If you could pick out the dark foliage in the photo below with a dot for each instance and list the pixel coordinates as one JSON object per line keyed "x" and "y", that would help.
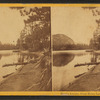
{"x": 7, "y": 46}
{"x": 36, "y": 34}
{"x": 71, "y": 47}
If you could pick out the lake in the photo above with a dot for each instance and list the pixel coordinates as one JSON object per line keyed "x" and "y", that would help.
{"x": 64, "y": 72}
{"x": 10, "y": 57}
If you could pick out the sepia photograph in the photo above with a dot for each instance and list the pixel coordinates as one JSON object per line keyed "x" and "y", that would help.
{"x": 25, "y": 49}
{"x": 76, "y": 48}
{"x": 50, "y": 48}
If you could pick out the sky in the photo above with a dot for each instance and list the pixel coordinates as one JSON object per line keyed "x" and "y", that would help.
{"x": 11, "y": 24}
{"x": 74, "y": 22}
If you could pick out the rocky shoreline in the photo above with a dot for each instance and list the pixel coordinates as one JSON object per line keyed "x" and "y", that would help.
{"x": 90, "y": 81}
{"x": 31, "y": 77}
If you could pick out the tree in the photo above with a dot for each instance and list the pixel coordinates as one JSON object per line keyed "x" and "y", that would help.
{"x": 36, "y": 33}
{"x": 95, "y": 41}
{"x": 91, "y": 44}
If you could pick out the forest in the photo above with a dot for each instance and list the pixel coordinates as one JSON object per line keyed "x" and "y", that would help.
{"x": 72, "y": 47}
{"x": 7, "y": 46}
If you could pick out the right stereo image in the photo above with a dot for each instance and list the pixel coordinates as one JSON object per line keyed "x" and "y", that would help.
{"x": 75, "y": 48}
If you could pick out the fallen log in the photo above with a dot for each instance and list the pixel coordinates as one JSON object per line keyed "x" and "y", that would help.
{"x": 77, "y": 65}
{"x": 6, "y": 65}
{"x": 23, "y": 63}
{"x": 7, "y": 75}
{"x": 79, "y": 75}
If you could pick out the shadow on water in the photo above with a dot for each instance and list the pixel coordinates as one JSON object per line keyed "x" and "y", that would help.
{"x": 26, "y": 57}
{"x": 95, "y": 57}
{"x": 62, "y": 59}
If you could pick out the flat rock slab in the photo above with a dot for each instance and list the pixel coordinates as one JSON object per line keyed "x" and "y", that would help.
{"x": 88, "y": 82}
{"x": 31, "y": 77}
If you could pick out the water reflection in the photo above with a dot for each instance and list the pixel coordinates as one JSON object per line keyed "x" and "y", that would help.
{"x": 62, "y": 59}
{"x": 64, "y": 71}
{"x": 95, "y": 57}
{"x": 26, "y": 57}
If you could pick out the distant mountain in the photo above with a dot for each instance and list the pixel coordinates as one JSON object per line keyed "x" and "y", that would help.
{"x": 62, "y": 42}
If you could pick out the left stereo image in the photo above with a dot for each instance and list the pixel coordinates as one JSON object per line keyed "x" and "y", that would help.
{"x": 25, "y": 49}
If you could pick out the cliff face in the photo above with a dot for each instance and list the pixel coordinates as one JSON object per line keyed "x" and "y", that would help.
{"x": 61, "y": 42}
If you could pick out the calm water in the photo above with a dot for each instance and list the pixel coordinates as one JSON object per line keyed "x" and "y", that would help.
{"x": 64, "y": 71}
{"x": 9, "y": 57}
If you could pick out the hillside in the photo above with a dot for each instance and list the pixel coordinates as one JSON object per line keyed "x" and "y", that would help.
{"x": 62, "y": 42}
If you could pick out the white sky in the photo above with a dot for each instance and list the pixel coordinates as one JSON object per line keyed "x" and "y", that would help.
{"x": 75, "y": 22}
{"x": 11, "y": 23}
